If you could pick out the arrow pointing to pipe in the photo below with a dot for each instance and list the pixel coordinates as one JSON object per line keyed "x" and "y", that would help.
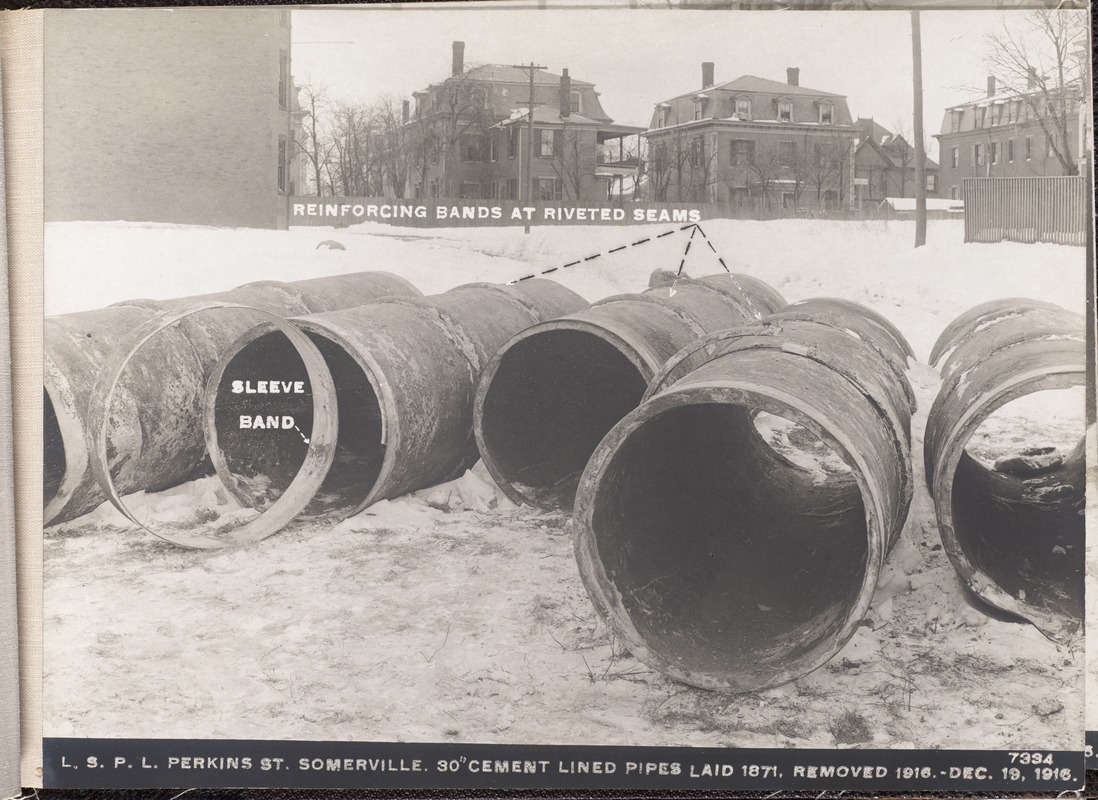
{"x": 303, "y": 436}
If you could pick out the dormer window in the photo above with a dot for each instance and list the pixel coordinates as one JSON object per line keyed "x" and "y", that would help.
{"x": 957, "y": 114}
{"x": 661, "y": 115}
{"x": 574, "y": 102}
{"x": 699, "y": 106}
{"x": 742, "y": 108}
{"x": 827, "y": 114}
{"x": 785, "y": 111}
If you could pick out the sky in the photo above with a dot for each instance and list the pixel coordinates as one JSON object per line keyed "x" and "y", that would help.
{"x": 638, "y": 57}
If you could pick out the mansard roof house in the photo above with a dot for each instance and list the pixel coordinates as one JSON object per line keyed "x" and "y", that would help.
{"x": 1037, "y": 131}
{"x": 752, "y": 143}
{"x": 470, "y": 137}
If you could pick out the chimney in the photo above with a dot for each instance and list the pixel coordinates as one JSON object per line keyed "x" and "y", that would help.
{"x": 1031, "y": 77}
{"x": 990, "y": 85}
{"x": 405, "y": 111}
{"x": 707, "y": 74}
{"x": 793, "y": 76}
{"x": 459, "y": 59}
{"x": 565, "y": 93}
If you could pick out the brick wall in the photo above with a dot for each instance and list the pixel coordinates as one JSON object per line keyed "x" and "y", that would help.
{"x": 165, "y": 115}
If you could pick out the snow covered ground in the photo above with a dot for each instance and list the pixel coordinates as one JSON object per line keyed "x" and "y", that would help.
{"x": 454, "y": 615}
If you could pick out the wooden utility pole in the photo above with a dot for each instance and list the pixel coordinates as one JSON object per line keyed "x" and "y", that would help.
{"x": 530, "y": 70}
{"x": 920, "y": 154}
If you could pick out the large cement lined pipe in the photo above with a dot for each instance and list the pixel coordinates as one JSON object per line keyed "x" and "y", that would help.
{"x": 405, "y": 372}
{"x": 156, "y": 441}
{"x": 1014, "y": 531}
{"x": 554, "y": 390}
{"x": 717, "y": 559}
{"x": 847, "y": 316}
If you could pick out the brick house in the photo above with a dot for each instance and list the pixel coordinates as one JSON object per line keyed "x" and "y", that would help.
{"x": 884, "y": 166}
{"x": 1009, "y": 134}
{"x": 179, "y": 115}
{"x": 470, "y": 137}
{"x": 752, "y": 143}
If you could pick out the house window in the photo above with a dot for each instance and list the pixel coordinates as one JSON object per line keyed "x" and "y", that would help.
{"x": 282, "y": 166}
{"x": 956, "y": 158}
{"x": 549, "y": 189}
{"x": 469, "y": 190}
{"x": 1010, "y": 150}
{"x": 283, "y": 79}
{"x": 957, "y": 115}
{"x": 661, "y": 117}
{"x": 1029, "y": 148}
{"x": 743, "y": 108}
{"x": 550, "y": 143}
{"x": 699, "y": 107}
{"x": 492, "y": 153}
{"x": 827, "y": 113}
{"x": 931, "y": 182}
{"x": 787, "y": 153}
{"x": 954, "y": 193}
{"x": 697, "y": 151}
{"x": 574, "y": 102}
{"x": 789, "y": 200}
{"x": 997, "y": 114}
{"x": 978, "y": 155}
{"x": 785, "y": 111}
{"x": 480, "y": 97}
{"x": 434, "y": 187}
{"x": 512, "y": 188}
{"x": 743, "y": 152}
{"x": 1012, "y": 112}
{"x": 513, "y": 141}
{"x": 474, "y": 148}
{"x": 993, "y": 152}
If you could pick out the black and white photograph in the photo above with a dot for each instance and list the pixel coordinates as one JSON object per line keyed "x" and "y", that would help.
{"x": 701, "y": 390}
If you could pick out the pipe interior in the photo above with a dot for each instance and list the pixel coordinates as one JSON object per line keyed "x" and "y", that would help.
{"x": 728, "y": 558}
{"x": 53, "y": 451}
{"x": 552, "y": 399}
{"x": 1018, "y": 497}
{"x": 264, "y": 462}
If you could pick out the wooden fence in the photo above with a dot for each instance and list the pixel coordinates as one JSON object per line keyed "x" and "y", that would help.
{"x": 1026, "y": 210}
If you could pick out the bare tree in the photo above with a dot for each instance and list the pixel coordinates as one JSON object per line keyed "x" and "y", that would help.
{"x": 396, "y": 154}
{"x": 315, "y": 145}
{"x": 574, "y": 157}
{"x": 1044, "y": 62}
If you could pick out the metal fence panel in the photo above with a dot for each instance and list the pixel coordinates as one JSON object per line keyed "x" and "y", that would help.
{"x": 1038, "y": 209}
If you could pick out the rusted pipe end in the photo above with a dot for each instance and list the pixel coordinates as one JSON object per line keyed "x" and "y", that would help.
{"x": 1016, "y": 534}
{"x": 258, "y": 465}
{"x": 715, "y": 559}
{"x": 550, "y": 393}
{"x": 548, "y": 397}
{"x": 314, "y": 465}
{"x": 64, "y": 449}
{"x": 1017, "y": 540}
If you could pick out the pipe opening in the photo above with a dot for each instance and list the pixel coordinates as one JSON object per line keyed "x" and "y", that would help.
{"x": 263, "y": 415}
{"x": 728, "y": 559}
{"x": 553, "y": 397}
{"x": 53, "y": 451}
{"x": 1018, "y": 496}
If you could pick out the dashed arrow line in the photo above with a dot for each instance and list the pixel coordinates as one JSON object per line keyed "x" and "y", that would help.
{"x": 303, "y": 436}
